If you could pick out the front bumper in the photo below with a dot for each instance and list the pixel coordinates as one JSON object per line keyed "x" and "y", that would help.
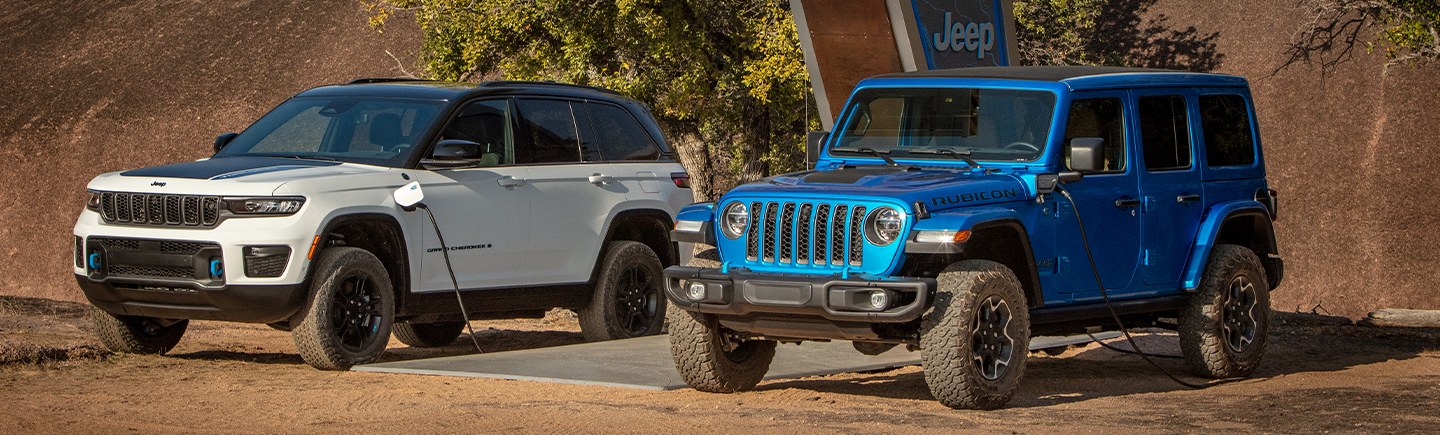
{"x": 184, "y": 300}
{"x": 741, "y": 293}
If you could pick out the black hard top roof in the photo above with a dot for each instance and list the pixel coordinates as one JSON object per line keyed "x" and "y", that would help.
{"x": 1036, "y": 73}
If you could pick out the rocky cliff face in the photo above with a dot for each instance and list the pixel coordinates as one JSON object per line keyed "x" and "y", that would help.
{"x": 109, "y": 85}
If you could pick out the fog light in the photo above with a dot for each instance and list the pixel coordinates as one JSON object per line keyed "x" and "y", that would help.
{"x": 879, "y": 300}
{"x": 695, "y": 291}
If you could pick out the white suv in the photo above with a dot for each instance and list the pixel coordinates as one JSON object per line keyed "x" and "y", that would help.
{"x": 547, "y": 195}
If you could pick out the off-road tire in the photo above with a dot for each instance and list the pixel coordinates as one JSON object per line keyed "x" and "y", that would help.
{"x": 350, "y": 311}
{"x": 698, "y": 345}
{"x": 629, "y": 299}
{"x": 135, "y": 334}
{"x": 428, "y": 334}
{"x": 1226, "y": 324}
{"x": 949, "y": 341}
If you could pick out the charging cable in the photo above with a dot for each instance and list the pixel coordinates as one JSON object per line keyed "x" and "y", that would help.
{"x": 445, "y": 251}
{"x": 1106, "y": 295}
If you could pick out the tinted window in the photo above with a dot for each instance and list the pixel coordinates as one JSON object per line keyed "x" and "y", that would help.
{"x": 1103, "y": 118}
{"x": 1164, "y": 132}
{"x": 349, "y": 129}
{"x": 621, "y": 136}
{"x": 1225, "y": 122}
{"x": 549, "y": 133}
{"x": 488, "y": 124}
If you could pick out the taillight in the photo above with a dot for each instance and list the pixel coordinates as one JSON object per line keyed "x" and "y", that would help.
{"x": 681, "y": 179}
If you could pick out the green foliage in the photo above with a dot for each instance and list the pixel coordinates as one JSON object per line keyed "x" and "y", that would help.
{"x": 733, "y": 69}
{"x": 1409, "y": 33}
{"x": 1061, "y": 32}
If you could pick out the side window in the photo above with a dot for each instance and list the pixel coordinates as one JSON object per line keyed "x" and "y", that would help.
{"x": 548, "y": 133}
{"x": 488, "y": 124}
{"x": 1164, "y": 132}
{"x": 1103, "y": 118}
{"x": 621, "y": 136}
{"x": 1225, "y": 122}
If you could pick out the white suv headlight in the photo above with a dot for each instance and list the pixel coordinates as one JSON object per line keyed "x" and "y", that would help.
{"x": 734, "y": 219}
{"x": 884, "y": 225}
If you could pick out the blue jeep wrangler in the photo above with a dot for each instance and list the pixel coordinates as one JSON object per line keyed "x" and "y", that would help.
{"x": 960, "y": 212}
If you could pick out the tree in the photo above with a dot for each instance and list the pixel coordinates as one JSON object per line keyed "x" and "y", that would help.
{"x": 726, "y": 79}
{"x": 1058, "y": 32}
{"x": 1407, "y": 32}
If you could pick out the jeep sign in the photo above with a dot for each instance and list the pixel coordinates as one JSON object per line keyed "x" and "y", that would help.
{"x": 963, "y": 33}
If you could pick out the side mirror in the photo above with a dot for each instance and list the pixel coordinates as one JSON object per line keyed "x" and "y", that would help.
{"x": 453, "y": 153}
{"x": 224, "y": 139}
{"x": 409, "y": 195}
{"x": 1086, "y": 154}
{"x": 814, "y": 142}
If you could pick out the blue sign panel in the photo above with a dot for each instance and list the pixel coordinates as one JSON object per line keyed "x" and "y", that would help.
{"x": 963, "y": 33}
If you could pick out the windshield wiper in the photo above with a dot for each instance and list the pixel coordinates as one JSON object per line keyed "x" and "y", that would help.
{"x": 879, "y": 154}
{"x": 296, "y": 156}
{"x": 962, "y": 155}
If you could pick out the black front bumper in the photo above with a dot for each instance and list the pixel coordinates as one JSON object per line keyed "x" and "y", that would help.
{"x": 187, "y": 300}
{"x": 740, "y": 293}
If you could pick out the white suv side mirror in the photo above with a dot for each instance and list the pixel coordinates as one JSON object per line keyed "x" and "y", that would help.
{"x": 409, "y": 195}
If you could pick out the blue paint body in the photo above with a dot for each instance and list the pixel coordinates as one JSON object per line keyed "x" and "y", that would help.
{"x": 1158, "y": 247}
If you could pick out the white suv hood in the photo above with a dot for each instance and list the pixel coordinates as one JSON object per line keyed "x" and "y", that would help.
{"x": 224, "y": 178}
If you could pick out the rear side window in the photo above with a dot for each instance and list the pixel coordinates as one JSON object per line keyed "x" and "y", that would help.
{"x": 1225, "y": 121}
{"x": 1164, "y": 132}
{"x": 549, "y": 133}
{"x": 1103, "y": 118}
{"x": 621, "y": 136}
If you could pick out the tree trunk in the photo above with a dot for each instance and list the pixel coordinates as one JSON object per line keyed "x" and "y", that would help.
{"x": 1403, "y": 318}
{"x": 694, "y": 156}
{"x": 754, "y": 142}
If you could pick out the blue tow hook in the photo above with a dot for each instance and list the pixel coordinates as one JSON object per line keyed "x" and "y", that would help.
{"x": 217, "y": 268}
{"x": 95, "y": 260}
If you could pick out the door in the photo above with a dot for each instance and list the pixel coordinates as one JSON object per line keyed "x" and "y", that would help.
{"x": 626, "y": 146}
{"x": 1108, "y": 200}
{"x": 483, "y": 211}
{"x": 1169, "y": 181}
{"x": 574, "y": 195}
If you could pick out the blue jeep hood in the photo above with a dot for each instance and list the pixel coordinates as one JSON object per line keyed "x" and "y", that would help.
{"x": 939, "y": 189}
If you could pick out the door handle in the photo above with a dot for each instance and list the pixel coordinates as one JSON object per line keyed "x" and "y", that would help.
{"x": 1127, "y": 203}
{"x": 1187, "y": 198}
{"x": 601, "y": 179}
{"x": 508, "y": 181}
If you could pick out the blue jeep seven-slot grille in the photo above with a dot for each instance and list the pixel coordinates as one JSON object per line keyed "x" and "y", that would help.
{"x": 805, "y": 233}
{"x": 158, "y": 209}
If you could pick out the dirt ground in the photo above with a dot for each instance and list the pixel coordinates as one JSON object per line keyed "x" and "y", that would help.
{"x": 1319, "y": 376}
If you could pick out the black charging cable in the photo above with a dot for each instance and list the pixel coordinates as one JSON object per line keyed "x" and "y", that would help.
{"x": 1106, "y": 295}
{"x": 445, "y": 251}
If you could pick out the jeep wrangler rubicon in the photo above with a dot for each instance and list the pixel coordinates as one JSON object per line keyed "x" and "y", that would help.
{"x": 548, "y": 195}
{"x": 942, "y": 215}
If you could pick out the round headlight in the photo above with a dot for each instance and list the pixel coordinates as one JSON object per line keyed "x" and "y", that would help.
{"x": 883, "y": 226}
{"x": 734, "y": 219}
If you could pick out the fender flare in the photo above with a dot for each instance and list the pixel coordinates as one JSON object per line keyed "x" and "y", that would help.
{"x": 1215, "y": 219}
{"x": 980, "y": 219}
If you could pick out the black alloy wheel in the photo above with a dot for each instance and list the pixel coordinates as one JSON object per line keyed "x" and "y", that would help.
{"x": 1239, "y": 314}
{"x": 355, "y": 312}
{"x": 636, "y": 301}
{"x": 990, "y": 339}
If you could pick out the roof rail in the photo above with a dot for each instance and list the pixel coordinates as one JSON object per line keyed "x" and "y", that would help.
{"x": 384, "y": 80}
{"x": 547, "y": 83}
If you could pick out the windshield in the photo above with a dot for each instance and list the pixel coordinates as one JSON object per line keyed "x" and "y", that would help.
{"x": 373, "y": 131}
{"x": 947, "y": 124}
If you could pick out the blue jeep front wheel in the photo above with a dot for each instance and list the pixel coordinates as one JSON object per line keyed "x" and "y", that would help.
{"x": 975, "y": 338}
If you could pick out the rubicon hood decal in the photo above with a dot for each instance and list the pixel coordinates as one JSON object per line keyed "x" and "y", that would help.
{"x": 222, "y": 168}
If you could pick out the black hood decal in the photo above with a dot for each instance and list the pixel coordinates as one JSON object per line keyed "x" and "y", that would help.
{"x": 206, "y": 169}
{"x": 850, "y": 174}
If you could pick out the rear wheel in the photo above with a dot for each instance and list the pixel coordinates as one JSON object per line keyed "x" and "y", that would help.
{"x": 627, "y": 301}
{"x": 351, "y": 310}
{"x": 1226, "y": 326}
{"x": 712, "y": 360}
{"x": 136, "y": 334}
{"x": 975, "y": 338}
{"x": 428, "y": 334}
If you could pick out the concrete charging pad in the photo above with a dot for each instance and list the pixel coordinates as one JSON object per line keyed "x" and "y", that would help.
{"x": 645, "y": 362}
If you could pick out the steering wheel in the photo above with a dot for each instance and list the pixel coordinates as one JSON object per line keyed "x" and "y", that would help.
{"x": 1022, "y": 146}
